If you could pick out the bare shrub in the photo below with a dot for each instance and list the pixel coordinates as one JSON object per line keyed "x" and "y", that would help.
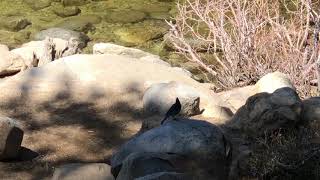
{"x": 249, "y": 38}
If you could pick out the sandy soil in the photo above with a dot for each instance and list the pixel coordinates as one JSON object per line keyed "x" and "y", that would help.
{"x": 63, "y": 131}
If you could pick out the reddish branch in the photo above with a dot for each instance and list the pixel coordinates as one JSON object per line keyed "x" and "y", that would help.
{"x": 248, "y": 39}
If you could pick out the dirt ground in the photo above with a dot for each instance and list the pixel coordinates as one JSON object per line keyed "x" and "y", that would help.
{"x": 64, "y": 130}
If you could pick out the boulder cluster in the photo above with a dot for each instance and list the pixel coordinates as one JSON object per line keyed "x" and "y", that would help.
{"x": 214, "y": 136}
{"x": 50, "y": 44}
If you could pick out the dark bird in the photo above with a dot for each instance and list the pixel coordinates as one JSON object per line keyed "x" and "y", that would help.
{"x": 173, "y": 111}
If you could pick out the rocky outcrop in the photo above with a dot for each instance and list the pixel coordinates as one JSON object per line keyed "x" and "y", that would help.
{"x": 10, "y": 138}
{"x": 92, "y": 171}
{"x": 119, "y": 80}
{"x": 200, "y": 141}
{"x": 265, "y": 112}
{"x": 39, "y": 53}
{"x": 36, "y": 53}
{"x": 100, "y": 73}
{"x": 237, "y": 97}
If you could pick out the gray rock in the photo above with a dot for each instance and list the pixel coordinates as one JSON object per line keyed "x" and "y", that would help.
{"x": 14, "y": 23}
{"x": 165, "y": 176}
{"x": 84, "y": 171}
{"x": 200, "y": 141}
{"x": 72, "y": 47}
{"x": 141, "y": 164}
{"x": 265, "y": 112}
{"x": 10, "y": 138}
{"x": 80, "y": 23}
{"x": 160, "y": 97}
{"x": 311, "y": 111}
{"x": 67, "y": 11}
{"x": 63, "y": 34}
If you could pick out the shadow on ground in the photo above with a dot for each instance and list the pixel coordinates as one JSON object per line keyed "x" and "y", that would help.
{"x": 70, "y": 124}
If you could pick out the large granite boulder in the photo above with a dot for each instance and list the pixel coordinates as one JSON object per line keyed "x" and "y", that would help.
{"x": 265, "y": 112}
{"x": 75, "y": 171}
{"x": 11, "y": 137}
{"x": 109, "y": 48}
{"x": 199, "y": 141}
{"x": 90, "y": 73}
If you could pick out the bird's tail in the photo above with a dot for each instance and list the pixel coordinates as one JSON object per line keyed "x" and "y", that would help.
{"x": 167, "y": 118}
{"x": 163, "y": 120}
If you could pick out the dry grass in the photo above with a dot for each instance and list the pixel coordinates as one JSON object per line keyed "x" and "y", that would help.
{"x": 284, "y": 155}
{"x": 250, "y": 38}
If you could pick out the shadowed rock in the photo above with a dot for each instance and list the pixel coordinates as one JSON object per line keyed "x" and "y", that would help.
{"x": 141, "y": 164}
{"x": 200, "y": 141}
{"x": 10, "y": 139}
{"x": 165, "y": 176}
{"x": 265, "y": 112}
